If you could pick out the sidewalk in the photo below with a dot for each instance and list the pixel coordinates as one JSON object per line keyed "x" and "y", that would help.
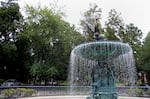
{"x": 76, "y": 97}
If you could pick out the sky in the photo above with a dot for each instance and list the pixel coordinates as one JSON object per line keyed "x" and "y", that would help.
{"x": 132, "y": 11}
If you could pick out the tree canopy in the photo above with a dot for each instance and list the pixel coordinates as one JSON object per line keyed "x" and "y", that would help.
{"x": 91, "y": 18}
{"x": 36, "y": 48}
{"x": 51, "y": 41}
{"x": 145, "y": 57}
{"x": 11, "y": 22}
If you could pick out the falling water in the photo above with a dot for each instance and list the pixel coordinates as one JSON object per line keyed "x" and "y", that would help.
{"x": 118, "y": 57}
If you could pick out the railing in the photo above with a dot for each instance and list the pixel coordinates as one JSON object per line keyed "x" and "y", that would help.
{"x": 65, "y": 90}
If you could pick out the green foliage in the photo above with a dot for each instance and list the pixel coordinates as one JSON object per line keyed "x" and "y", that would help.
{"x": 51, "y": 72}
{"x": 63, "y": 83}
{"x": 19, "y": 92}
{"x": 148, "y": 92}
{"x": 117, "y": 30}
{"x": 136, "y": 91}
{"x": 10, "y": 21}
{"x": 145, "y": 57}
{"x": 25, "y": 92}
{"x": 145, "y": 50}
{"x": 38, "y": 47}
{"x": 8, "y": 93}
{"x": 89, "y": 22}
{"x": 114, "y": 25}
{"x": 139, "y": 92}
{"x": 133, "y": 35}
{"x": 36, "y": 70}
{"x": 51, "y": 41}
{"x": 1, "y": 81}
{"x": 12, "y": 55}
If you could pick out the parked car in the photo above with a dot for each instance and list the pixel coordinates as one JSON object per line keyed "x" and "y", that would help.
{"x": 10, "y": 82}
{"x": 145, "y": 87}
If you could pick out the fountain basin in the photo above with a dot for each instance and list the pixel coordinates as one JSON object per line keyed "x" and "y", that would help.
{"x": 101, "y": 57}
{"x": 96, "y": 50}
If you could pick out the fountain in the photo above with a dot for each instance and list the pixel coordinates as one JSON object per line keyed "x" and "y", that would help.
{"x": 101, "y": 64}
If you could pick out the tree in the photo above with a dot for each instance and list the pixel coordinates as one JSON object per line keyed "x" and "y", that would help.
{"x": 91, "y": 19}
{"x": 23, "y": 59}
{"x": 114, "y": 25}
{"x": 145, "y": 57}
{"x": 51, "y": 41}
{"x": 117, "y": 30}
{"x": 10, "y": 21}
{"x": 11, "y": 25}
{"x": 133, "y": 35}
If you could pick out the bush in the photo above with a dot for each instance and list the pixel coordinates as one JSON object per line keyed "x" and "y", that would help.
{"x": 139, "y": 92}
{"x": 19, "y": 92}
{"x": 8, "y": 93}
{"x": 29, "y": 92}
{"x": 25, "y": 92}
{"x": 136, "y": 91}
{"x": 148, "y": 92}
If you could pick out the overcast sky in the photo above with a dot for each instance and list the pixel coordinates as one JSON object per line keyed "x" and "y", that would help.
{"x": 132, "y": 11}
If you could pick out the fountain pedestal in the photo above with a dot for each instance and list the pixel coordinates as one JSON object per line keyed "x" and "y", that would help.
{"x": 103, "y": 93}
{"x": 103, "y": 83}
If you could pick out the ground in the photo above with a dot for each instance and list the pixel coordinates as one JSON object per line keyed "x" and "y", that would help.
{"x": 77, "y": 97}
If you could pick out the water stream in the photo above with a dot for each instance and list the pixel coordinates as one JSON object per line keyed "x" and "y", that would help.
{"x": 106, "y": 58}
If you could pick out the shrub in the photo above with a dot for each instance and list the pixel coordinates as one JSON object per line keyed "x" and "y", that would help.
{"x": 8, "y": 93}
{"x": 139, "y": 92}
{"x": 29, "y": 92}
{"x": 148, "y": 92}
{"x": 136, "y": 91}
{"x": 25, "y": 92}
{"x": 19, "y": 92}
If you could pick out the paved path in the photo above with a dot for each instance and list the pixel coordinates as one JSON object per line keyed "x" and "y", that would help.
{"x": 76, "y": 97}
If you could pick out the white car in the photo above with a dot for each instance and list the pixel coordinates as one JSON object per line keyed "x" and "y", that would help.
{"x": 10, "y": 82}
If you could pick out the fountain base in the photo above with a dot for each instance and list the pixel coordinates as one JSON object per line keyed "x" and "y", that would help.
{"x": 103, "y": 95}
